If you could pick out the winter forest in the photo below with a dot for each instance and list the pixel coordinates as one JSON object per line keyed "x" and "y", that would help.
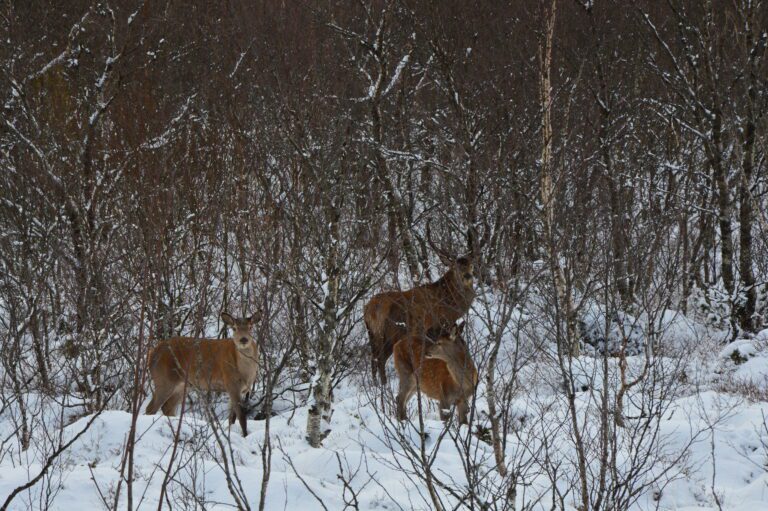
{"x": 428, "y": 255}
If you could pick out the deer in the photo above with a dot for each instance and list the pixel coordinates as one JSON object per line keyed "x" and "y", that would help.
{"x": 392, "y": 315}
{"x": 441, "y": 369}
{"x": 221, "y": 365}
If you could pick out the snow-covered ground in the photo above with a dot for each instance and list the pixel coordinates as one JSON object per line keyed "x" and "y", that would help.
{"x": 709, "y": 449}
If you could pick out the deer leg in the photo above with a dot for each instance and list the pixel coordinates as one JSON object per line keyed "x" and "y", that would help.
{"x": 242, "y": 418}
{"x": 445, "y": 411}
{"x": 159, "y": 397}
{"x": 375, "y": 345}
{"x": 382, "y": 366}
{"x": 232, "y": 414}
{"x": 234, "y": 400}
{"x": 236, "y": 410}
{"x": 169, "y": 407}
{"x": 404, "y": 393}
{"x": 462, "y": 407}
{"x": 232, "y": 407}
{"x": 152, "y": 407}
{"x": 378, "y": 364}
{"x": 374, "y": 367}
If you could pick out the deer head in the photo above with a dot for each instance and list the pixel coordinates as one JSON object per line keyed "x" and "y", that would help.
{"x": 451, "y": 348}
{"x": 242, "y": 327}
{"x": 449, "y": 345}
{"x": 463, "y": 267}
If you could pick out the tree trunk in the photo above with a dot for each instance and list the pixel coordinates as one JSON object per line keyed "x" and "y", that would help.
{"x": 686, "y": 267}
{"x": 320, "y": 412}
{"x": 619, "y": 240}
{"x": 37, "y": 346}
{"x": 493, "y": 413}
{"x": 746, "y": 309}
{"x": 547, "y": 187}
{"x": 724, "y": 208}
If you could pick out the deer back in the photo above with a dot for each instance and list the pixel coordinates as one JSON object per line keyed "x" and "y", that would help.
{"x": 203, "y": 363}
{"x": 387, "y": 310}
{"x": 419, "y": 309}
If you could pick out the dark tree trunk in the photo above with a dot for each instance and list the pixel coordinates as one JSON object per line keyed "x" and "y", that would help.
{"x": 746, "y": 309}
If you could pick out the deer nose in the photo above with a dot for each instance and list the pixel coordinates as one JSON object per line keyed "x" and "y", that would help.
{"x": 244, "y": 340}
{"x": 467, "y": 276}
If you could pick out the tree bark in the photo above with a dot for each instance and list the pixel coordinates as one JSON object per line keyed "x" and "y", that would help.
{"x": 724, "y": 204}
{"x": 320, "y": 411}
{"x": 547, "y": 185}
{"x": 746, "y": 310}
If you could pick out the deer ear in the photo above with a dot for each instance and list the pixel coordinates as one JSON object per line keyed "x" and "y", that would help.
{"x": 430, "y": 352}
{"x": 227, "y": 318}
{"x": 254, "y": 318}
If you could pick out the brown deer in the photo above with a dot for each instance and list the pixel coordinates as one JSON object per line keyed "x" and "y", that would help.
{"x": 222, "y": 365}
{"x": 441, "y": 369}
{"x": 392, "y": 315}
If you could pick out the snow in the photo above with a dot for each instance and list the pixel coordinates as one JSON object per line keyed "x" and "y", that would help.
{"x": 740, "y": 348}
{"x": 748, "y": 361}
{"x": 621, "y": 328}
{"x": 396, "y": 74}
{"x": 712, "y": 442}
{"x": 362, "y": 441}
{"x": 741, "y": 480}
{"x": 95, "y": 460}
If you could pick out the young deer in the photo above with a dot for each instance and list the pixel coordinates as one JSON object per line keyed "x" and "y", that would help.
{"x": 443, "y": 369}
{"x": 222, "y": 365}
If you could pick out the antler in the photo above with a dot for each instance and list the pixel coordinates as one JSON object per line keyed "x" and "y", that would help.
{"x": 440, "y": 252}
{"x": 472, "y": 247}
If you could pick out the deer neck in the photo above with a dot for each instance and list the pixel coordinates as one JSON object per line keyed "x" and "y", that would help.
{"x": 248, "y": 359}
{"x": 463, "y": 373}
{"x": 461, "y": 294}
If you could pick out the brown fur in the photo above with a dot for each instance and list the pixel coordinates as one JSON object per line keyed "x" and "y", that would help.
{"x": 226, "y": 365}
{"x": 392, "y": 315}
{"x": 442, "y": 370}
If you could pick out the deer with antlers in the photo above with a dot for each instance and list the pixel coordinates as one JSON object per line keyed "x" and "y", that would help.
{"x": 222, "y": 365}
{"x": 392, "y": 315}
{"x": 441, "y": 369}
